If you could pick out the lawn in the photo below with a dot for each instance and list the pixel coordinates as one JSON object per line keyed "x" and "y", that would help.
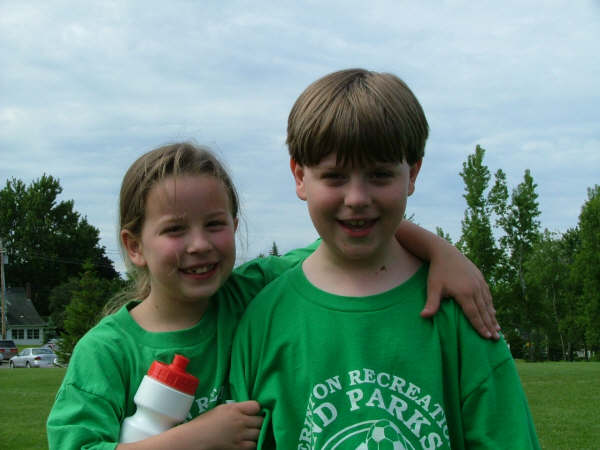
{"x": 565, "y": 403}
{"x": 27, "y": 396}
{"x": 564, "y": 400}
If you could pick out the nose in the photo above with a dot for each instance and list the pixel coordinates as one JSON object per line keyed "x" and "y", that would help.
{"x": 198, "y": 242}
{"x": 357, "y": 194}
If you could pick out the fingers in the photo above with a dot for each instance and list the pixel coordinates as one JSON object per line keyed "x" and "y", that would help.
{"x": 483, "y": 315}
{"x": 251, "y": 410}
{"x": 488, "y": 312}
{"x": 434, "y": 296}
{"x": 473, "y": 311}
{"x": 249, "y": 407}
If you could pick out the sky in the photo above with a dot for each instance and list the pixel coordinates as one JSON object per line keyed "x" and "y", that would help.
{"x": 87, "y": 87}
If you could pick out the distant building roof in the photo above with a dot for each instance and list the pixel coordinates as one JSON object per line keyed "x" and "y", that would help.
{"x": 20, "y": 310}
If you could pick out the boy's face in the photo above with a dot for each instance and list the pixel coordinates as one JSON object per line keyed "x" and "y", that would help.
{"x": 356, "y": 210}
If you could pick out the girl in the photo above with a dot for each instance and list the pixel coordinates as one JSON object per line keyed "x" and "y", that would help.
{"x": 178, "y": 215}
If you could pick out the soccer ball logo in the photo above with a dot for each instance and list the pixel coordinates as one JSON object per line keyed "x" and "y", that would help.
{"x": 383, "y": 435}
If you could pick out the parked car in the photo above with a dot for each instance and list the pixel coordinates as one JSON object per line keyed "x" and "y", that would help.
{"x": 33, "y": 357}
{"x": 8, "y": 349}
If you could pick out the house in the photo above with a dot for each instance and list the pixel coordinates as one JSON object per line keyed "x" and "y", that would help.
{"x": 23, "y": 323}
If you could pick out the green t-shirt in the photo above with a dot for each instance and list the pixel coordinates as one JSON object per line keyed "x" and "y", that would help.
{"x": 109, "y": 362}
{"x": 369, "y": 372}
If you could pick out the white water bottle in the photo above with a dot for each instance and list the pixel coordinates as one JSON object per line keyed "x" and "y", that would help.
{"x": 163, "y": 400}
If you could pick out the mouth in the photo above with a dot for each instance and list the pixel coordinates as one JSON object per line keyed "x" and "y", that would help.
{"x": 199, "y": 270}
{"x": 357, "y": 224}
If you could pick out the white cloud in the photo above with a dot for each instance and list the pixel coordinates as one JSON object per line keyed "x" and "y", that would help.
{"x": 87, "y": 87}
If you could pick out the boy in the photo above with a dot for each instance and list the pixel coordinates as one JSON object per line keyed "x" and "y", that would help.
{"x": 332, "y": 349}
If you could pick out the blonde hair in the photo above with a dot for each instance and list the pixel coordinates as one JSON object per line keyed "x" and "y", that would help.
{"x": 362, "y": 116}
{"x": 181, "y": 158}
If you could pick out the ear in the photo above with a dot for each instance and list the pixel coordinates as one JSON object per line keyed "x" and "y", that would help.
{"x": 133, "y": 247}
{"x": 298, "y": 172}
{"x": 412, "y": 175}
{"x": 235, "y": 224}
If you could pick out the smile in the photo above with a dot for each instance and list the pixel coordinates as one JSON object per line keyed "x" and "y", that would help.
{"x": 358, "y": 223}
{"x": 200, "y": 270}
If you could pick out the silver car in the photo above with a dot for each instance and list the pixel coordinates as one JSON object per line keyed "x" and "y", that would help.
{"x": 33, "y": 357}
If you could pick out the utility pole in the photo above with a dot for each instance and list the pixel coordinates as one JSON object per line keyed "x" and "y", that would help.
{"x": 3, "y": 290}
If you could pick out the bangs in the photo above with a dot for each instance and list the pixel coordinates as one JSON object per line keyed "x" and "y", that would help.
{"x": 364, "y": 118}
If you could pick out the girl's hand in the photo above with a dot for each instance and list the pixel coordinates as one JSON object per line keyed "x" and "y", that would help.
{"x": 230, "y": 426}
{"x": 227, "y": 427}
{"x": 451, "y": 274}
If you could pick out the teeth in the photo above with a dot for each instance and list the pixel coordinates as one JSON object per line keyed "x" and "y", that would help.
{"x": 357, "y": 223}
{"x": 201, "y": 270}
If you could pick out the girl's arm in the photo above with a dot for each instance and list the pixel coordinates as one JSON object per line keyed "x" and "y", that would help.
{"x": 229, "y": 426}
{"x": 451, "y": 274}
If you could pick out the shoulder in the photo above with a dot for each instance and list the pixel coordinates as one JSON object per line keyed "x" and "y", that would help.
{"x": 477, "y": 357}
{"x": 110, "y": 329}
{"x": 275, "y": 293}
{"x": 101, "y": 353}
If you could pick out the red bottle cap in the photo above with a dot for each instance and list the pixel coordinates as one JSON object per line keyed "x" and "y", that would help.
{"x": 174, "y": 375}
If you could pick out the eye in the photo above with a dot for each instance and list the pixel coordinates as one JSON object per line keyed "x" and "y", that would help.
{"x": 381, "y": 174}
{"x": 333, "y": 176}
{"x": 216, "y": 223}
{"x": 173, "y": 229}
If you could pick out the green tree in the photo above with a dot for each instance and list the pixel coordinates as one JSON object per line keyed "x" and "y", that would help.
{"x": 587, "y": 266}
{"x": 274, "y": 250}
{"x": 88, "y": 298}
{"x": 59, "y": 299}
{"x": 441, "y": 233}
{"x": 477, "y": 241}
{"x": 521, "y": 232}
{"x": 547, "y": 272}
{"x": 46, "y": 239}
{"x": 574, "y": 320}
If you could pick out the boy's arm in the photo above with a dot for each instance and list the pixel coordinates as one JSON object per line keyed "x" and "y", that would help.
{"x": 451, "y": 274}
{"x": 494, "y": 409}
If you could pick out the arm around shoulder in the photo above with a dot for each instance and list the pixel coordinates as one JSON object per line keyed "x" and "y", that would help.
{"x": 451, "y": 274}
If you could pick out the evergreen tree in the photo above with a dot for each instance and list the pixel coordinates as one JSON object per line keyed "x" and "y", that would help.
{"x": 274, "y": 250}
{"x": 59, "y": 299}
{"x": 85, "y": 308}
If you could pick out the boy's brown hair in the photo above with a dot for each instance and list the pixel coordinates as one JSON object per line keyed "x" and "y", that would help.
{"x": 363, "y": 116}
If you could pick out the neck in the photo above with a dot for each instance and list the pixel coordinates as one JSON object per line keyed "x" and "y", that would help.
{"x": 159, "y": 316}
{"x": 335, "y": 274}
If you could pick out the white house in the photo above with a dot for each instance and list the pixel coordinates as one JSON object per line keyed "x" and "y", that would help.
{"x": 23, "y": 323}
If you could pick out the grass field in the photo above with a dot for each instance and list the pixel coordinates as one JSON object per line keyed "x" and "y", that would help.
{"x": 564, "y": 400}
{"x": 26, "y": 398}
{"x": 565, "y": 403}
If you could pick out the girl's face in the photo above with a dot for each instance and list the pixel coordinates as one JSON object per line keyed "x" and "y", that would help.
{"x": 187, "y": 241}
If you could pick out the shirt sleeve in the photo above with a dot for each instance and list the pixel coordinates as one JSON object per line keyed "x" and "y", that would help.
{"x": 81, "y": 420}
{"x": 496, "y": 414}
{"x": 90, "y": 403}
{"x": 494, "y": 406}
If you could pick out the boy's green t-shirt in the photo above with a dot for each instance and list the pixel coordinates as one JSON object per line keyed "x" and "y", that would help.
{"x": 109, "y": 362}
{"x": 354, "y": 373}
